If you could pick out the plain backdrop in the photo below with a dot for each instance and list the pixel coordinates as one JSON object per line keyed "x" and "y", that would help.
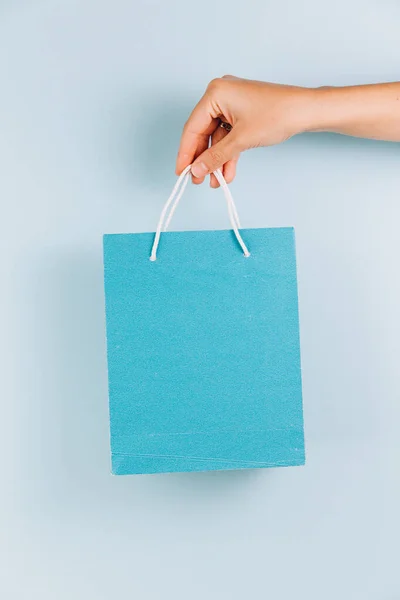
{"x": 93, "y": 95}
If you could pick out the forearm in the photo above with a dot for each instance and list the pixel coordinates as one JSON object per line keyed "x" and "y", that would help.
{"x": 367, "y": 111}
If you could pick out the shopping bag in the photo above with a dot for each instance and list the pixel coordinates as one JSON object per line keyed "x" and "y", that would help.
{"x": 203, "y": 347}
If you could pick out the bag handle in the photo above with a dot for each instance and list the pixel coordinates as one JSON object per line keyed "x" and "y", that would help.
{"x": 174, "y": 199}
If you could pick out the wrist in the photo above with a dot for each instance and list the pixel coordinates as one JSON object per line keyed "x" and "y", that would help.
{"x": 330, "y": 108}
{"x": 309, "y": 110}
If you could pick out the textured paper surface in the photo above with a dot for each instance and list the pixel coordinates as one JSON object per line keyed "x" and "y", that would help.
{"x": 203, "y": 352}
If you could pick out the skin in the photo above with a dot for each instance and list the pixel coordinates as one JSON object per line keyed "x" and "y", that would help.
{"x": 265, "y": 114}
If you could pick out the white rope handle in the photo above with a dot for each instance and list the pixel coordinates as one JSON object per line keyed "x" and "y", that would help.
{"x": 174, "y": 199}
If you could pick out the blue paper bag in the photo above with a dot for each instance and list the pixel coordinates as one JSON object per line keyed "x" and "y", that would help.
{"x": 203, "y": 351}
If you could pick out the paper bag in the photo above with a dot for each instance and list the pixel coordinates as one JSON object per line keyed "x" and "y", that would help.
{"x": 203, "y": 351}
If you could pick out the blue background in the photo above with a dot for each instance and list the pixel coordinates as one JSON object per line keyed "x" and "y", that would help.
{"x": 93, "y": 97}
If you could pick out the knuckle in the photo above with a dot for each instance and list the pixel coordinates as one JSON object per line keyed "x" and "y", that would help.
{"x": 214, "y": 84}
{"x": 216, "y": 156}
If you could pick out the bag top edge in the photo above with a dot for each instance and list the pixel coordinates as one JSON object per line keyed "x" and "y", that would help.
{"x": 202, "y": 231}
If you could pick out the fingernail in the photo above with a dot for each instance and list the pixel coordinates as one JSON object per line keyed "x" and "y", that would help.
{"x": 199, "y": 170}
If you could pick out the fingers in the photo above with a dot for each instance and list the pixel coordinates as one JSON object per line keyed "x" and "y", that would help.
{"x": 216, "y": 137}
{"x": 215, "y": 157}
{"x": 229, "y": 168}
{"x": 195, "y": 137}
{"x": 201, "y": 147}
{"x": 203, "y": 123}
{"x": 228, "y": 171}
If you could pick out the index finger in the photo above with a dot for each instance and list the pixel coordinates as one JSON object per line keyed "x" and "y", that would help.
{"x": 196, "y": 134}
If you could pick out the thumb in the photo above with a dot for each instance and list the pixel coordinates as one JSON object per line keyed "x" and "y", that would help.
{"x": 216, "y": 156}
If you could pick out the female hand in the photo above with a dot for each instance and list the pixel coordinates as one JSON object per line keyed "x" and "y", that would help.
{"x": 263, "y": 114}
{"x": 260, "y": 114}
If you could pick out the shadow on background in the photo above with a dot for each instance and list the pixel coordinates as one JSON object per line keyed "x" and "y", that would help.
{"x": 67, "y": 472}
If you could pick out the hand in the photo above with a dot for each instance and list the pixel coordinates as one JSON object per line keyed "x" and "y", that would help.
{"x": 260, "y": 114}
{"x": 263, "y": 114}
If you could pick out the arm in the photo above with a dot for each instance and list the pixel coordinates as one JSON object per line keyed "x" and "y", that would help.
{"x": 367, "y": 111}
{"x": 264, "y": 114}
